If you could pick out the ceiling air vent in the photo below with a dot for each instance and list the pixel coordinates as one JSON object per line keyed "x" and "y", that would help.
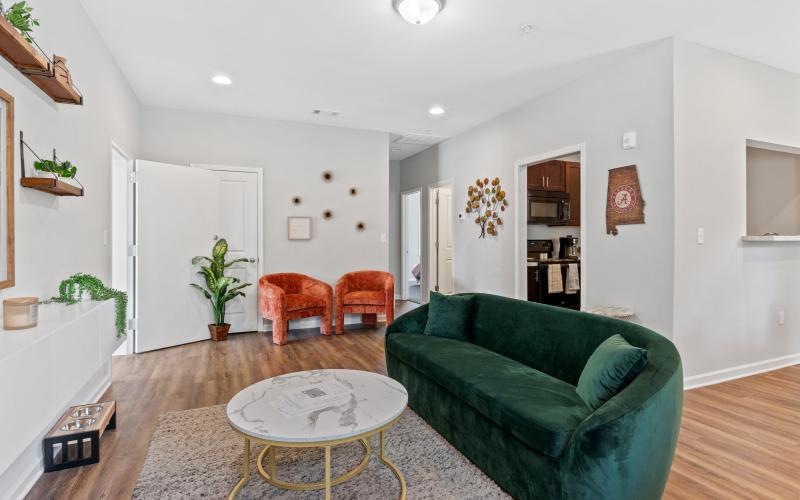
{"x": 419, "y": 139}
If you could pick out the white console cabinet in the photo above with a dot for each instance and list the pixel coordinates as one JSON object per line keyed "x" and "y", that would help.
{"x": 65, "y": 360}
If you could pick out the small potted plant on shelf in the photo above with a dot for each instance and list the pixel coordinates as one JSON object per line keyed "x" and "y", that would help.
{"x": 219, "y": 289}
{"x": 20, "y": 15}
{"x": 63, "y": 169}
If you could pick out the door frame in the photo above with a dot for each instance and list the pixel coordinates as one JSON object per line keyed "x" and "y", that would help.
{"x": 404, "y": 239}
{"x": 130, "y": 329}
{"x": 521, "y": 215}
{"x": 433, "y": 257}
{"x": 260, "y": 324}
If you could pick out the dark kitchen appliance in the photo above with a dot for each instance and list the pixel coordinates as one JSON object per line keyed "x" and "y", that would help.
{"x": 540, "y": 258}
{"x": 568, "y": 247}
{"x": 548, "y": 207}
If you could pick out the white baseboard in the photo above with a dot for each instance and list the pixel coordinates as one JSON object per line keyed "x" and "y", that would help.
{"x": 740, "y": 371}
{"x": 18, "y": 479}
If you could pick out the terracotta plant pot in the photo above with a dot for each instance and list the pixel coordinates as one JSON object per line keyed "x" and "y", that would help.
{"x": 219, "y": 332}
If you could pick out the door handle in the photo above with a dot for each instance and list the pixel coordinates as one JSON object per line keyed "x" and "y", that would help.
{"x": 252, "y": 260}
{"x": 542, "y": 181}
{"x": 548, "y": 182}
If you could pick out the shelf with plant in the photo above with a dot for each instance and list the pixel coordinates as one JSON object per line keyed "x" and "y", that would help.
{"x": 18, "y": 46}
{"x": 54, "y": 171}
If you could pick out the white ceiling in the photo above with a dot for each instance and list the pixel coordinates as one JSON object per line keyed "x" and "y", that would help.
{"x": 358, "y": 57}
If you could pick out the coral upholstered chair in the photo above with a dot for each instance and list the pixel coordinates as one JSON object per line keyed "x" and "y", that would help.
{"x": 287, "y": 296}
{"x": 367, "y": 293}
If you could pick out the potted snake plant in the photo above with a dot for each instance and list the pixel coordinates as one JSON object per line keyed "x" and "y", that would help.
{"x": 219, "y": 289}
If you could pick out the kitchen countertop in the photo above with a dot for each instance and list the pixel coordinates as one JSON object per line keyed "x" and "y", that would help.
{"x": 535, "y": 263}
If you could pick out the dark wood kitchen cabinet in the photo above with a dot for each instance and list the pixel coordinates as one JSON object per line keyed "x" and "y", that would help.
{"x": 548, "y": 176}
{"x": 573, "y": 182}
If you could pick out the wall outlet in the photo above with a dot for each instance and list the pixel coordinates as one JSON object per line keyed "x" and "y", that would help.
{"x": 781, "y": 317}
{"x": 701, "y": 235}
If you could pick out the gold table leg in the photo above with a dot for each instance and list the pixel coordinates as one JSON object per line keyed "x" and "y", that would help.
{"x": 393, "y": 468}
{"x": 327, "y": 473}
{"x": 245, "y": 471}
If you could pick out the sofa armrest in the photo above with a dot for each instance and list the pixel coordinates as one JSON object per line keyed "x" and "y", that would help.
{"x": 625, "y": 448}
{"x": 410, "y": 322}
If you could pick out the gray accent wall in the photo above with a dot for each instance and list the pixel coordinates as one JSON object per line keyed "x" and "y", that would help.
{"x": 633, "y": 269}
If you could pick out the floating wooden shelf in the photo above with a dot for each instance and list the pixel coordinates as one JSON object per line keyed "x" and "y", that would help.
{"x": 51, "y": 185}
{"x": 20, "y": 52}
{"x": 56, "y": 82}
{"x": 51, "y": 76}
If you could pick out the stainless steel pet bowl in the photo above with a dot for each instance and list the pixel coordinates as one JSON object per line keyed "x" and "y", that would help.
{"x": 86, "y": 411}
{"x": 78, "y": 423}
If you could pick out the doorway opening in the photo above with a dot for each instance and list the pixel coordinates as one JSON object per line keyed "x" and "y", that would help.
{"x": 441, "y": 241}
{"x": 550, "y": 244}
{"x": 411, "y": 237}
{"x": 123, "y": 233}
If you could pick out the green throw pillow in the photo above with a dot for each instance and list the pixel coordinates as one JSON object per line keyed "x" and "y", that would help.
{"x": 610, "y": 368}
{"x": 450, "y": 316}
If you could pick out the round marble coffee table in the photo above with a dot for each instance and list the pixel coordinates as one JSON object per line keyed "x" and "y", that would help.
{"x": 316, "y": 409}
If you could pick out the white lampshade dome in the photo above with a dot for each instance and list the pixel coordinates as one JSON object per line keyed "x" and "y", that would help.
{"x": 419, "y": 11}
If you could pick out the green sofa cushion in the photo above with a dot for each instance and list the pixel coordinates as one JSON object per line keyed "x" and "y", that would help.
{"x": 609, "y": 369}
{"x": 450, "y": 316}
{"x": 539, "y": 410}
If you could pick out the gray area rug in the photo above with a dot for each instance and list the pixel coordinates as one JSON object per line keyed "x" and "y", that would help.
{"x": 195, "y": 454}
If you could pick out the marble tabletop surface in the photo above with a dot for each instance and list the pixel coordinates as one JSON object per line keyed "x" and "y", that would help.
{"x": 367, "y": 402}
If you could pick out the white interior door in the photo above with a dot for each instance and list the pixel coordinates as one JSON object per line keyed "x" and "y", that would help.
{"x": 239, "y": 225}
{"x": 445, "y": 238}
{"x": 178, "y": 215}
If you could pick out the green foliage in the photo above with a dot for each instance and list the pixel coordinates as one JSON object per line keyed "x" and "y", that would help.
{"x": 219, "y": 289}
{"x": 73, "y": 289}
{"x": 64, "y": 169}
{"x": 20, "y": 15}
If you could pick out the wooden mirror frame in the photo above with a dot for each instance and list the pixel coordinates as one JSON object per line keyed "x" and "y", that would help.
{"x": 8, "y": 100}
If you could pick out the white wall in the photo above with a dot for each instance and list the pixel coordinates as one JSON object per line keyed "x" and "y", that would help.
{"x": 773, "y": 192}
{"x": 728, "y": 294}
{"x": 632, "y": 94}
{"x": 56, "y": 237}
{"x": 293, "y": 156}
{"x": 59, "y": 236}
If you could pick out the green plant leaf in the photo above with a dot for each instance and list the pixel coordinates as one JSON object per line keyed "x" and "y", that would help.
{"x": 229, "y": 264}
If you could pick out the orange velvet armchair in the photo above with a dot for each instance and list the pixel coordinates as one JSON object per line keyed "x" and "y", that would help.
{"x": 367, "y": 293}
{"x": 287, "y": 296}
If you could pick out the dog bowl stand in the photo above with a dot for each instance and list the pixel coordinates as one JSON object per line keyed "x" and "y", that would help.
{"x": 66, "y": 448}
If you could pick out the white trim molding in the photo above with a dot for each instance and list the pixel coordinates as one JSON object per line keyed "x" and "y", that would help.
{"x": 741, "y": 371}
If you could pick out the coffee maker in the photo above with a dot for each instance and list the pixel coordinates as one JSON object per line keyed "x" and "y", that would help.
{"x": 568, "y": 247}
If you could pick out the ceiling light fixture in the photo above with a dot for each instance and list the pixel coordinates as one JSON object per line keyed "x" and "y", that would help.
{"x": 221, "y": 80}
{"x": 418, "y": 12}
{"x": 436, "y": 110}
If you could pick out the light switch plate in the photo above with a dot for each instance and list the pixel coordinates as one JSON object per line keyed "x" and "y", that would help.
{"x": 383, "y": 237}
{"x": 701, "y": 235}
{"x": 629, "y": 140}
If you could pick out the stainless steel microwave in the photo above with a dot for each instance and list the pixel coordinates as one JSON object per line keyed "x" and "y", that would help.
{"x": 548, "y": 207}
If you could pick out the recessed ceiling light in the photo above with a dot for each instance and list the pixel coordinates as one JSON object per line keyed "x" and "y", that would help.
{"x": 418, "y": 12}
{"x": 436, "y": 110}
{"x": 221, "y": 80}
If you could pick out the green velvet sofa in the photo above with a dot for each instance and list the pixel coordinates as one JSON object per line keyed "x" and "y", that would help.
{"x": 506, "y": 399}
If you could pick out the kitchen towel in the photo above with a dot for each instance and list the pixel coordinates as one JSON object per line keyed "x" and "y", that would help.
{"x": 555, "y": 284}
{"x": 573, "y": 279}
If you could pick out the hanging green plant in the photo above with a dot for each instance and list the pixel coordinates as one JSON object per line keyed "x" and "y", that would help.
{"x": 62, "y": 169}
{"x": 20, "y": 15}
{"x": 72, "y": 290}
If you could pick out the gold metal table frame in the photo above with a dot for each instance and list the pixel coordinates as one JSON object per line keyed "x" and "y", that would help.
{"x": 270, "y": 446}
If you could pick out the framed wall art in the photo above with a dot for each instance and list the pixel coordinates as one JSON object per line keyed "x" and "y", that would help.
{"x": 299, "y": 228}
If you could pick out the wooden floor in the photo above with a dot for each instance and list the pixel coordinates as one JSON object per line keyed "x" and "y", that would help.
{"x": 738, "y": 440}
